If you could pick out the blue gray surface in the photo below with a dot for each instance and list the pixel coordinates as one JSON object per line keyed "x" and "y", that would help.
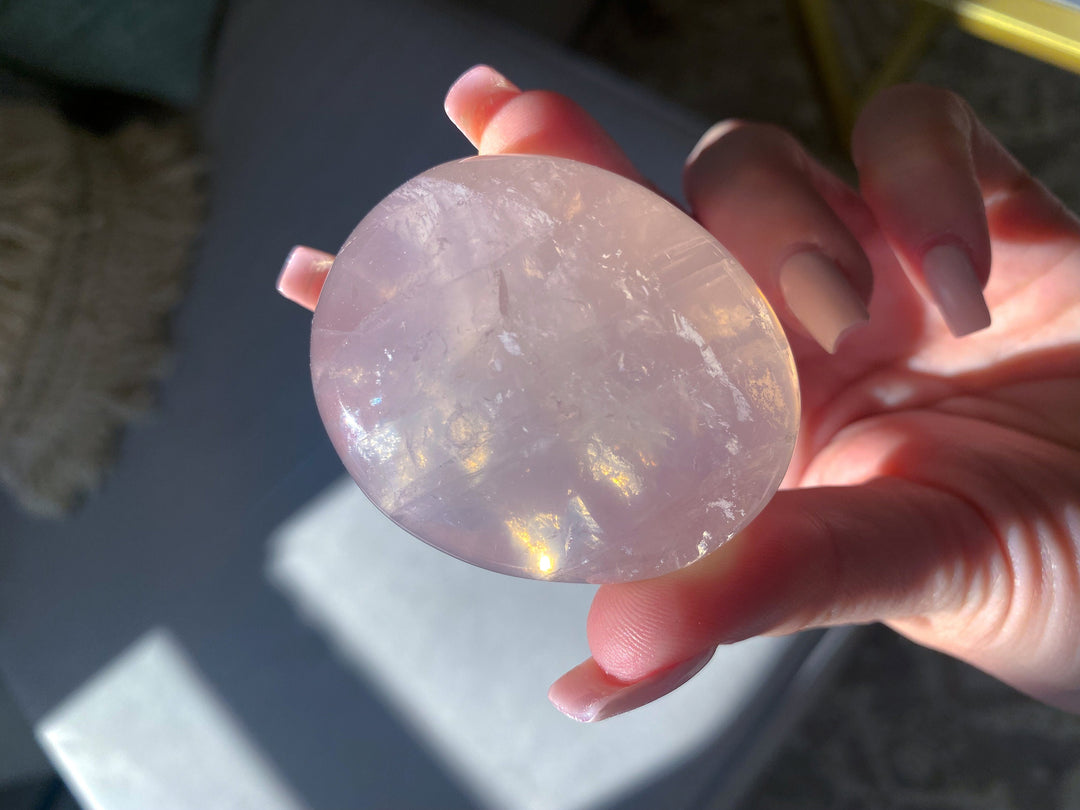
{"x": 317, "y": 110}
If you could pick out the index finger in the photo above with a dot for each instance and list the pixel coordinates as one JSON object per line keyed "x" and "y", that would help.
{"x": 498, "y": 119}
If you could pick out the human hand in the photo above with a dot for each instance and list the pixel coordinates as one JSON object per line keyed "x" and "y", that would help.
{"x": 936, "y": 480}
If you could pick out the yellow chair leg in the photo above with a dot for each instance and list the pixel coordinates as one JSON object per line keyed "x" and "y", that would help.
{"x": 843, "y": 98}
{"x": 832, "y": 73}
{"x": 1045, "y": 30}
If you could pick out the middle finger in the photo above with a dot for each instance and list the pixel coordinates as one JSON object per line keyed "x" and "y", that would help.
{"x": 755, "y": 188}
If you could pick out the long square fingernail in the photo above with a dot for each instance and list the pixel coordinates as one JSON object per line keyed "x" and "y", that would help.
{"x": 588, "y": 694}
{"x": 952, "y": 282}
{"x": 302, "y": 276}
{"x": 821, "y": 297}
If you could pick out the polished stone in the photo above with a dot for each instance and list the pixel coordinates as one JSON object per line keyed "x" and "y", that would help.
{"x": 549, "y": 371}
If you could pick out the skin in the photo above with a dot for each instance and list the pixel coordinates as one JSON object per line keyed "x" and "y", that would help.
{"x": 936, "y": 481}
{"x": 936, "y": 484}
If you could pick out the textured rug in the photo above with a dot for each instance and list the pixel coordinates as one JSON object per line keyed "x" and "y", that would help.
{"x": 903, "y": 728}
{"x": 94, "y": 235}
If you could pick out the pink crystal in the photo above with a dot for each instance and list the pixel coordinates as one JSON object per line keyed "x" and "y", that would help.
{"x": 547, "y": 370}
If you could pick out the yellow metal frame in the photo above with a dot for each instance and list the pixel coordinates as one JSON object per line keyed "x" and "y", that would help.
{"x": 1044, "y": 29}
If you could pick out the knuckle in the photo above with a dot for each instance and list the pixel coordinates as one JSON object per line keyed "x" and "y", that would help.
{"x": 745, "y": 156}
{"x": 754, "y": 142}
{"x": 915, "y": 97}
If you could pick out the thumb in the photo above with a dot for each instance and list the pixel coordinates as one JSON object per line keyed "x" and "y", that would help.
{"x": 888, "y": 548}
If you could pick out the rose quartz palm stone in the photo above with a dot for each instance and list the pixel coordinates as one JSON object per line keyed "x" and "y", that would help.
{"x": 547, "y": 370}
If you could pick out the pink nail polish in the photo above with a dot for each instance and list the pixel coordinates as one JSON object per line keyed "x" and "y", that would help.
{"x": 302, "y": 275}
{"x": 952, "y": 282}
{"x": 473, "y": 98}
{"x": 588, "y": 694}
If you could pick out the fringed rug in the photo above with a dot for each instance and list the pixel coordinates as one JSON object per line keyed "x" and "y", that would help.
{"x": 95, "y": 232}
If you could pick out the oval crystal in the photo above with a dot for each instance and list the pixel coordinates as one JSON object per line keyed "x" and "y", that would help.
{"x": 547, "y": 370}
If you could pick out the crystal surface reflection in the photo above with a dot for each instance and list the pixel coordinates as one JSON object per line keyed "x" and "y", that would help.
{"x": 547, "y": 370}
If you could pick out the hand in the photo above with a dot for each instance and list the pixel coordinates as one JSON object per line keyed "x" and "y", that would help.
{"x": 936, "y": 480}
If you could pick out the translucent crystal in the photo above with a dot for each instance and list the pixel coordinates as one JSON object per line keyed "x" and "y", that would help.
{"x": 549, "y": 371}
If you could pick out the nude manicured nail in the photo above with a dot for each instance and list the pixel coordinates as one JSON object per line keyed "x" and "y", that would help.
{"x": 474, "y": 98}
{"x": 821, "y": 297}
{"x": 302, "y": 276}
{"x": 588, "y": 694}
{"x": 952, "y": 282}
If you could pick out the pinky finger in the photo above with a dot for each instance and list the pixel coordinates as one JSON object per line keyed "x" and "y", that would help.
{"x": 303, "y": 274}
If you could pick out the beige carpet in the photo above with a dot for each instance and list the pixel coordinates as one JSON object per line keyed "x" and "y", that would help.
{"x": 94, "y": 235}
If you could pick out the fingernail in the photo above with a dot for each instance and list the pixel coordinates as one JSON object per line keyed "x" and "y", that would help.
{"x": 474, "y": 99}
{"x": 952, "y": 282}
{"x": 302, "y": 275}
{"x": 588, "y": 694}
{"x": 711, "y": 136}
{"x": 821, "y": 297}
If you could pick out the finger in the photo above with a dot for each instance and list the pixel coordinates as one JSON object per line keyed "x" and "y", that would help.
{"x": 474, "y": 99}
{"x": 920, "y": 152}
{"x": 498, "y": 118}
{"x": 755, "y": 188}
{"x": 813, "y": 557}
{"x": 588, "y": 694}
{"x": 303, "y": 274}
